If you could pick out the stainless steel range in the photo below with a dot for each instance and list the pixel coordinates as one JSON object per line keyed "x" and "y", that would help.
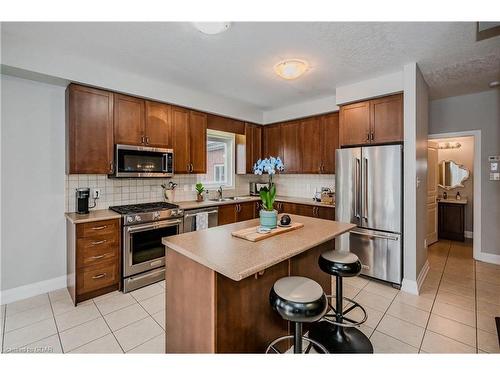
{"x": 144, "y": 225}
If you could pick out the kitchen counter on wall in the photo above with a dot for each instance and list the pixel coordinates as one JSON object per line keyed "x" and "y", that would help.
{"x": 190, "y": 205}
{"x": 92, "y": 216}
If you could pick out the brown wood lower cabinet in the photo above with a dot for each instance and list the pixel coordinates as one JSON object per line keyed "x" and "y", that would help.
{"x": 93, "y": 258}
{"x": 232, "y": 213}
{"x": 220, "y": 315}
{"x": 451, "y": 221}
{"x": 320, "y": 212}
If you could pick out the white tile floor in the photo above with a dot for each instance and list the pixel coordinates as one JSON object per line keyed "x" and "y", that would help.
{"x": 454, "y": 314}
{"x": 113, "y": 323}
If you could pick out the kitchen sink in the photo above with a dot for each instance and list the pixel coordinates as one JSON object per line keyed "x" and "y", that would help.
{"x": 229, "y": 199}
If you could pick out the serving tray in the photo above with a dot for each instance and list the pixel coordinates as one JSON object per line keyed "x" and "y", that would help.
{"x": 250, "y": 234}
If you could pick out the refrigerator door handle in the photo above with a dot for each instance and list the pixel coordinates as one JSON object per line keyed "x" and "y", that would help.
{"x": 376, "y": 235}
{"x": 357, "y": 195}
{"x": 365, "y": 190}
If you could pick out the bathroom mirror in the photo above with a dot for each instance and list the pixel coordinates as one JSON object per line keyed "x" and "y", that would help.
{"x": 452, "y": 175}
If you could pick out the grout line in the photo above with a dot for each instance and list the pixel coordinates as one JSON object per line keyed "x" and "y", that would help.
{"x": 475, "y": 307}
{"x": 55, "y": 323}
{"x": 4, "y": 318}
{"x": 435, "y": 296}
{"x": 103, "y": 318}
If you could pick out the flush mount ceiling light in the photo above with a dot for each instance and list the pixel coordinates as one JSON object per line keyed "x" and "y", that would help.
{"x": 291, "y": 69}
{"x": 212, "y": 28}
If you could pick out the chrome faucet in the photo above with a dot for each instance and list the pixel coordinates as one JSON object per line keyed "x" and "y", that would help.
{"x": 219, "y": 191}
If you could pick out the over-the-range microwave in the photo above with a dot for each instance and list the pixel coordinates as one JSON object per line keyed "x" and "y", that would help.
{"x": 139, "y": 161}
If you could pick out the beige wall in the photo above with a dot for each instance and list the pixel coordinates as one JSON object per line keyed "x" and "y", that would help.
{"x": 471, "y": 112}
{"x": 465, "y": 156}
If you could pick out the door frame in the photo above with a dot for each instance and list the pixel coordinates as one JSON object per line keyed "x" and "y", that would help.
{"x": 476, "y": 215}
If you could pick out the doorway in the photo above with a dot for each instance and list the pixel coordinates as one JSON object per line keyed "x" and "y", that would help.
{"x": 454, "y": 192}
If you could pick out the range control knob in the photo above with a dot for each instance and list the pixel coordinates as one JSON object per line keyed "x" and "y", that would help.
{"x": 179, "y": 212}
{"x": 156, "y": 215}
{"x": 138, "y": 218}
{"x": 130, "y": 219}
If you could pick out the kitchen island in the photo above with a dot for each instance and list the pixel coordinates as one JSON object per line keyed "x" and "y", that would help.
{"x": 217, "y": 285}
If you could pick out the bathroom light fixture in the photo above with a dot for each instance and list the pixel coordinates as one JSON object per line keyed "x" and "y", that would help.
{"x": 212, "y": 28}
{"x": 291, "y": 69}
{"x": 449, "y": 145}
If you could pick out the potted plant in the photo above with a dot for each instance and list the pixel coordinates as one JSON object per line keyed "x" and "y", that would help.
{"x": 200, "y": 189}
{"x": 271, "y": 166}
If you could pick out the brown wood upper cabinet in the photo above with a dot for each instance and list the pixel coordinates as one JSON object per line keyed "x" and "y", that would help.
{"x": 271, "y": 141}
{"x": 158, "y": 126}
{"x": 319, "y": 140}
{"x": 253, "y": 135}
{"x": 189, "y": 139}
{"x": 225, "y": 124}
{"x": 89, "y": 133}
{"x": 291, "y": 146}
{"x": 142, "y": 122}
{"x": 372, "y": 121}
{"x": 129, "y": 120}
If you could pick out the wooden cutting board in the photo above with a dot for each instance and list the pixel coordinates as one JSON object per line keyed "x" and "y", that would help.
{"x": 250, "y": 234}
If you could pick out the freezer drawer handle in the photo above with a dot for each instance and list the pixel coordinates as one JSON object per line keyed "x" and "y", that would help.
{"x": 385, "y": 237}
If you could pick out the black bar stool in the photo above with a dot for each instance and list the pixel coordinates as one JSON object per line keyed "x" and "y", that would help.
{"x": 336, "y": 332}
{"x": 299, "y": 300}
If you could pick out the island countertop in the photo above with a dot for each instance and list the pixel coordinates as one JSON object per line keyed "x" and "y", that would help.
{"x": 236, "y": 258}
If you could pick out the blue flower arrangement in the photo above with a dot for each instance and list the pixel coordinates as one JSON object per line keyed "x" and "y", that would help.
{"x": 271, "y": 166}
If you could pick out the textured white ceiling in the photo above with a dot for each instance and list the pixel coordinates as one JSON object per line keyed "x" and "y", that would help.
{"x": 239, "y": 63}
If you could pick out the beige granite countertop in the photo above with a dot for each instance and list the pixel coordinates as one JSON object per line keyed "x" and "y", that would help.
{"x": 190, "y": 205}
{"x": 95, "y": 215}
{"x": 237, "y": 258}
{"x": 452, "y": 200}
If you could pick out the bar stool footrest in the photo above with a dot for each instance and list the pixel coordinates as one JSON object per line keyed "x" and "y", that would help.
{"x": 312, "y": 343}
{"x": 332, "y": 318}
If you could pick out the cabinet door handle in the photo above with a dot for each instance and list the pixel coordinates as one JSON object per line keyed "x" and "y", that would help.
{"x": 373, "y": 135}
{"x": 111, "y": 166}
{"x": 99, "y": 256}
{"x": 100, "y": 276}
{"x": 147, "y": 140}
{"x": 188, "y": 169}
{"x": 100, "y": 228}
{"x": 260, "y": 273}
{"x": 142, "y": 139}
{"x": 94, "y": 243}
{"x": 368, "y": 136}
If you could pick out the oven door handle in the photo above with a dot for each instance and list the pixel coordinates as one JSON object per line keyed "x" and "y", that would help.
{"x": 157, "y": 225}
{"x": 208, "y": 212}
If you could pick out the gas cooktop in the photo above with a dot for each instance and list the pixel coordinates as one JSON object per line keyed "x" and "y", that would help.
{"x": 148, "y": 212}
{"x": 143, "y": 207}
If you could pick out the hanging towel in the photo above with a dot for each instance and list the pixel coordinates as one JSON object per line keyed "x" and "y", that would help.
{"x": 201, "y": 220}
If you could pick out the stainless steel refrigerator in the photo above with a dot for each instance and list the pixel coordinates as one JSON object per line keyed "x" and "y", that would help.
{"x": 369, "y": 194}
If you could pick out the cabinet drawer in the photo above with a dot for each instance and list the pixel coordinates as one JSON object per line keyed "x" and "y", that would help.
{"x": 96, "y": 250}
{"x": 97, "y": 228}
{"x": 96, "y": 277}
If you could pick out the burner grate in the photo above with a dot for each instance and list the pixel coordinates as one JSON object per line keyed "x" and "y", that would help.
{"x": 143, "y": 207}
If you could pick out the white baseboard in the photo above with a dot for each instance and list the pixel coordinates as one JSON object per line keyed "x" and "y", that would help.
{"x": 488, "y": 258}
{"x": 412, "y": 286}
{"x": 31, "y": 290}
{"x": 468, "y": 234}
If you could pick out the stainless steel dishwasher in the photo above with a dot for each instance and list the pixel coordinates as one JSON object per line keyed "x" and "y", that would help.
{"x": 190, "y": 218}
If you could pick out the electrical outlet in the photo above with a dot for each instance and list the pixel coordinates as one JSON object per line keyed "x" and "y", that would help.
{"x": 96, "y": 193}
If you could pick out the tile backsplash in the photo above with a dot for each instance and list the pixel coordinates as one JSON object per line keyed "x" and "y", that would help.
{"x": 119, "y": 191}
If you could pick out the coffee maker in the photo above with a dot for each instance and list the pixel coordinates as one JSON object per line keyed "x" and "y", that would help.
{"x": 82, "y": 200}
